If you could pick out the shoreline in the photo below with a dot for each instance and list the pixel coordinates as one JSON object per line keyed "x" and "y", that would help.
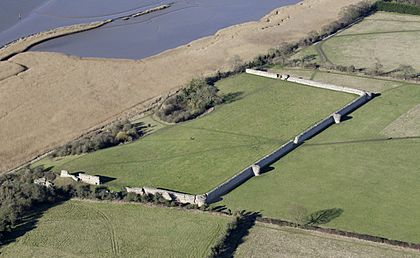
{"x": 24, "y": 44}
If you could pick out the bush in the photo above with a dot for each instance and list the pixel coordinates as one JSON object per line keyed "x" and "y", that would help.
{"x": 189, "y": 102}
{"x": 19, "y": 195}
{"x": 406, "y": 7}
{"x": 117, "y": 133}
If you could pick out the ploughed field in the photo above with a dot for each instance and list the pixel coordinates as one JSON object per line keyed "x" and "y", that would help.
{"x": 388, "y": 38}
{"x": 198, "y": 155}
{"x": 367, "y": 166}
{"x": 273, "y": 241}
{"x": 89, "y": 229}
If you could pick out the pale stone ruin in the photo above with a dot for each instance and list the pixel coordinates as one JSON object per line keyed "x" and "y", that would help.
{"x": 184, "y": 198}
{"x": 92, "y": 180}
{"x": 44, "y": 182}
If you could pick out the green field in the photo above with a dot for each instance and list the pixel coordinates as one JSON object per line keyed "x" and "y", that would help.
{"x": 88, "y": 229}
{"x": 388, "y": 38}
{"x": 353, "y": 166}
{"x": 273, "y": 241}
{"x": 196, "y": 156}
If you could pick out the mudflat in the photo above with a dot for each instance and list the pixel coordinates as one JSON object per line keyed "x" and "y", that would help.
{"x": 60, "y": 97}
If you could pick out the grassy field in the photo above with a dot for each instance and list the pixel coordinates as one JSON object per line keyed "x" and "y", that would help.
{"x": 353, "y": 166}
{"x": 363, "y": 44}
{"x": 198, "y": 155}
{"x": 273, "y": 241}
{"x": 86, "y": 229}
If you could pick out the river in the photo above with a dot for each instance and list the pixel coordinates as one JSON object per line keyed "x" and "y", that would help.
{"x": 140, "y": 37}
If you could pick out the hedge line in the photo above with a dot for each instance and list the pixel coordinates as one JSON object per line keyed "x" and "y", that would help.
{"x": 398, "y": 7}
{"x": 338, "y": 232}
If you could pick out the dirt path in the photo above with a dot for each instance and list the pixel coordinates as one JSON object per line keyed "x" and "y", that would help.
{"x": 61, "y": 97}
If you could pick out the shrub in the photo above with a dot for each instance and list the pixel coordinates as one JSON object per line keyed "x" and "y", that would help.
{"x": 189, "y": 102}
{"x": 116, "y": 133}
{"x": 402, "y": 6}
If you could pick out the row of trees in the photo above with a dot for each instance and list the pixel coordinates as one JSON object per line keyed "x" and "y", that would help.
{"x": 190, "y": 102}
{"x": 19, "y": 195}
{"x": 117, "y": 133}
{"x": 400, "y": 6}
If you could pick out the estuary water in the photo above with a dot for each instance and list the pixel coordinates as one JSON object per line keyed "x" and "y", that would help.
{"x": 139, "y": 37}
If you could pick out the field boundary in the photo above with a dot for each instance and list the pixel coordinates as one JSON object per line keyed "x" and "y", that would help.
{"x": 279, "y": 222}
{"x": 256, "y": 168}
{"x": 343, "y": 233}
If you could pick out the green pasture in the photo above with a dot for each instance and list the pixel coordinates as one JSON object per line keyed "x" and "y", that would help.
{"x": 88, "y": 229}
{"x": 373, "y": 177}
{"x": 198, "y": 155}
{"x": 388, "y": 38}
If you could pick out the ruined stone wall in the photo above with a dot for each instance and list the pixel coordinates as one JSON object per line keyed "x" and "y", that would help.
{"x": 65, "y": 173}
{"x": 92, "y": 180}
{"x": 170, "y": 195}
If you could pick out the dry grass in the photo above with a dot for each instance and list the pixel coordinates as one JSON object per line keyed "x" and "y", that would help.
{"x": 407, "y": 125}
{"x": 8, "y": 69}
{"x": 364, "y": 44}
{"x": 60, "y": 97}
{"x": 273, "y": 241}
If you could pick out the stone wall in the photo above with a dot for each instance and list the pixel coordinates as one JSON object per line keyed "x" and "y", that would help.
{"x": 326, "y": 86}
{"x": 276, "y": 155}
{"x": 92, "y": 180}
{"x": 184, "y": 198}
{"x": 65, "y": 173}
{"x": 263, "y": 73}
{"x": 229, "y": 185}
{"x": 254, "y": 170}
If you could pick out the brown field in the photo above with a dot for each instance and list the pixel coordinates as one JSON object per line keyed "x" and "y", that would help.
{"x": 8, "y": 69}
{"x": 60, "y": 97}
{"x": 272, "y": 241}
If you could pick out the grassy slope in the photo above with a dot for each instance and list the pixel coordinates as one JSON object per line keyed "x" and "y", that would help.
{"x": 375, "y": 182}
{"x": 268, "y": 113}
{"x": 272, "y": 241}
{"x": 363, "y": 44}
{"x": 81, "y": 229}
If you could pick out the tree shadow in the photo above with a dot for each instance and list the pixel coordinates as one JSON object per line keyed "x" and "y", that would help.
{"x": 27, "y": 223}
{"x": 232, "y": 97}
{"x": 323, "y": 216}
{"x": 236, "y": 234}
